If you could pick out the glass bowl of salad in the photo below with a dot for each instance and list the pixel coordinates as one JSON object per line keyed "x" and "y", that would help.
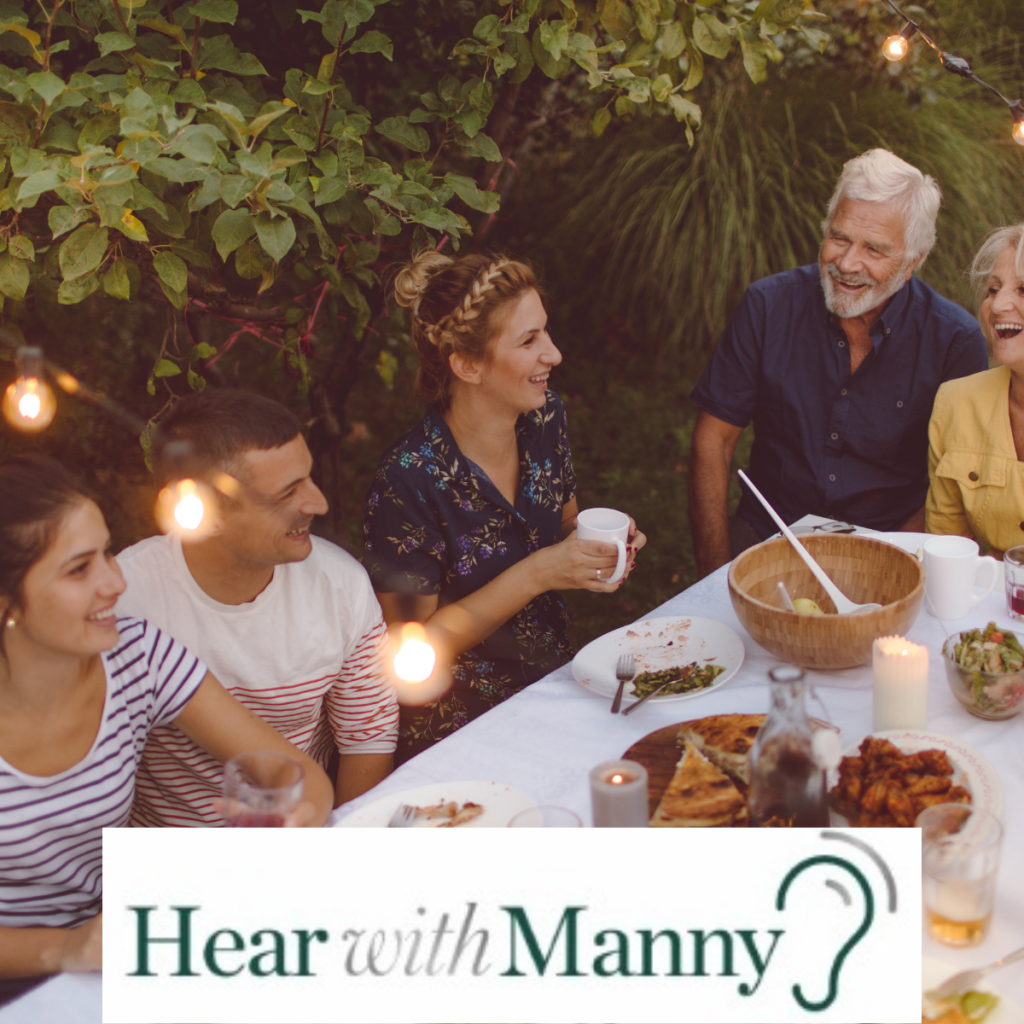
{"x": 985, "y": 669}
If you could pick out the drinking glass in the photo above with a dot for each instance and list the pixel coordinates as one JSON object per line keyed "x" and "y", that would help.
{"x": 546, "y": 817}
{"x": 1013, "y": 566}
{"x": 960, "y": 849}
{"x": 261, "y": 788}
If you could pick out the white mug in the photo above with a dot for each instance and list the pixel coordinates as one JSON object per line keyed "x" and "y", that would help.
{"x": 951, "y": 567}
{"x": 609, "y": 525}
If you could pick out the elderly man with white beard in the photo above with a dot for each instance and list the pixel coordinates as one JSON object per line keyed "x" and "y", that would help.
{"x": 837, "y": 364}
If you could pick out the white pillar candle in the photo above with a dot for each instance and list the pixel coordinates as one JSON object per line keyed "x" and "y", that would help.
{"x": 901, "y": 684}
{"x": 618, "y": 794}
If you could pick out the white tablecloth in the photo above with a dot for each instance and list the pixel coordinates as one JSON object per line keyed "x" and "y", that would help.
{"x": 546, "y": 738}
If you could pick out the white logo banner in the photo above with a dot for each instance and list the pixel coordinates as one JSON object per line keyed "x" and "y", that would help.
{"x": 626, "y": 925}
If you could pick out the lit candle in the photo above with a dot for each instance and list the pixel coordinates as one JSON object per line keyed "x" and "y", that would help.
{"x": 618, "y": 794}
{"x": 901, "y": 684}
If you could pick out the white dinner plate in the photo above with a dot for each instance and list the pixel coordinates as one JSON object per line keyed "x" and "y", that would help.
{"x": 501, "y": 804}
{"x": 658, "y": 644}
{"x": 972, "y": 769}
{"x": 935, "y": 972}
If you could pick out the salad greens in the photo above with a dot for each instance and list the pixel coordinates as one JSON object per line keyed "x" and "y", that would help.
{"x": 987, "y": 652}
{"x": 990, "y": 650}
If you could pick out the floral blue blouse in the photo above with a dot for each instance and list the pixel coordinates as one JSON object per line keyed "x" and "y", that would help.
{"x": 436, "y": 524}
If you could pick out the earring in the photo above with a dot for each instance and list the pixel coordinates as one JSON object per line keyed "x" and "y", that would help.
{"x": 10, "y": 623}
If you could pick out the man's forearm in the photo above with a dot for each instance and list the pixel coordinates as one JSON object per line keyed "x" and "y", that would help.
{"x": 709, "y": 507}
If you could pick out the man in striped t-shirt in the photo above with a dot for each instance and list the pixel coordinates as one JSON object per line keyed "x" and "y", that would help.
{"x": 287, "y": 622}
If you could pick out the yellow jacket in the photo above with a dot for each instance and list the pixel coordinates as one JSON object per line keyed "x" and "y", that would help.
{"x": 977, "y": 484}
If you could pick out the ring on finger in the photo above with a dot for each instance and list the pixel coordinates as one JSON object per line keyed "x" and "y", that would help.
{"x": 597, "y": 575}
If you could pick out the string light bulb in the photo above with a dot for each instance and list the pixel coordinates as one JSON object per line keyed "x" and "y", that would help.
{"x": 29, "y": 403}
{"x": 415, "y": 659}
{"x": 184, "y": 505}
{"x": 181, "y": 508}
{"x": 1018, "y": 129}
{"x": 898, "y": 46}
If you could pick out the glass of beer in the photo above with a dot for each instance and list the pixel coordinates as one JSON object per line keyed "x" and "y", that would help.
{"x": 261, "y": 788}
{"x": 960, "y": 849}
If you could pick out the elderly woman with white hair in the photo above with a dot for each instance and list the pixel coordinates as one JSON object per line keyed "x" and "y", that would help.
{"x": 976, "y": 434}
{"x": 837, "y": 364}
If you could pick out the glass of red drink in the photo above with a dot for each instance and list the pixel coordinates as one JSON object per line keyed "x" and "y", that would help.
{"x": 1013, "y": 565}
{"x": 261, "y": 788}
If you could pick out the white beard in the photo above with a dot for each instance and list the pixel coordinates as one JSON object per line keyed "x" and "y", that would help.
{"x": 847, "y": 307}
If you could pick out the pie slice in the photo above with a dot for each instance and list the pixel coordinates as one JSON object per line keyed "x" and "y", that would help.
{"x": 699, "y": 796}
{"x": 725, "y": 740}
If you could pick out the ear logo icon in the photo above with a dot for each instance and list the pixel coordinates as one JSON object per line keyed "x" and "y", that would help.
{"x": 851, "y": 869}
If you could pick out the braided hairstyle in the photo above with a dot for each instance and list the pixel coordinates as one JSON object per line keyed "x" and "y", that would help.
{"x": 456, "y": 307}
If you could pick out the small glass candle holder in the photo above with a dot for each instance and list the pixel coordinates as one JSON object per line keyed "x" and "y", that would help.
{"x": 1013, "y": 568}
{"x": 618, "y": 794}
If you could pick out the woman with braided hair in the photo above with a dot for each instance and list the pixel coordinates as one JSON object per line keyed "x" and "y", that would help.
{"x": 471, "y": 518}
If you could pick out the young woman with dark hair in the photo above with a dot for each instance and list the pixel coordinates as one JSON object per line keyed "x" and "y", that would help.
{"x": 79, "y": 691}
{"x": 471, "y": 518}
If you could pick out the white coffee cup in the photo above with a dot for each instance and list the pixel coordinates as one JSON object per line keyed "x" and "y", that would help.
{"x": 952, "y": 566}
{"x": 609, "y": 525}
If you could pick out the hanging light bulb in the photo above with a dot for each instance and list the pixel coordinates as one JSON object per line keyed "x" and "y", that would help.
{"x": 415, "y": 658}
{"x": 182, "y": 508}
{"x": 1018, "y": 131}
{"x": 29, "y": 403}
{"x": 185, "y": 504}
{"x": 896, "y": 47}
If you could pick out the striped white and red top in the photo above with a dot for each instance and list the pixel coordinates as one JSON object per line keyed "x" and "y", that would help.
{"x": 306, "y": 656}
{"x": 50, "y": 826}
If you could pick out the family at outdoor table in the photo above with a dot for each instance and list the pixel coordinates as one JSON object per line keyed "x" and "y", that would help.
{"x": 126, "y": 682}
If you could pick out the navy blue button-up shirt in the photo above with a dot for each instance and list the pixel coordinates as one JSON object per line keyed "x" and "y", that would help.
{"x": 825, "y": 442}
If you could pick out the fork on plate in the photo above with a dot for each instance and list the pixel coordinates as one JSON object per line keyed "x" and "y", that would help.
{"x": 404, "y": 816}
{"x": 966, "y": 980}
{"x": 625, "y": 669}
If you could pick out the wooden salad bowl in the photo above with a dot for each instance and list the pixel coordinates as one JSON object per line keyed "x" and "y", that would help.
{"x": 865, "y": 569}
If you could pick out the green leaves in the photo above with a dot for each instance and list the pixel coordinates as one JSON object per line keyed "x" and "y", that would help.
{"x": 82, "y": 251}
{"x": 225, "y": 11}
{"x": 62, "y": 219}
{"x": 400, "y": 130}
{"x": 373, "y": 42}
{"x": 712, "y": 36}
{"x": 14, "y": 276}
{"x": 171, "y": 270}
{"x": 116, "y": 283}
{"x": 276, "y": 234}
{"x": 466, "y": 190}
{"x": 35, "y": 184}
{"x": 21, "y": 247}
{"x": 615, "y": 18}
{"x": 166, "y": 368}
{"x": 113, "y": 42}
{"x": 46, "y": 84}
{"x": 14, "y": 129}
{"x": 554, "y": 37}
{"x": 231, "y": 229}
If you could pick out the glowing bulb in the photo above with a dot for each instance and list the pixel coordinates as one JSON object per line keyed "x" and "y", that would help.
{"x": 415, "y": 660}
{"x": 29, "y": 404}
{"x": 895, "y": 47}
{"x": 189, "y": 511}
{"x": 1018, "y": 133}
{"x": 181, "y": 508}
